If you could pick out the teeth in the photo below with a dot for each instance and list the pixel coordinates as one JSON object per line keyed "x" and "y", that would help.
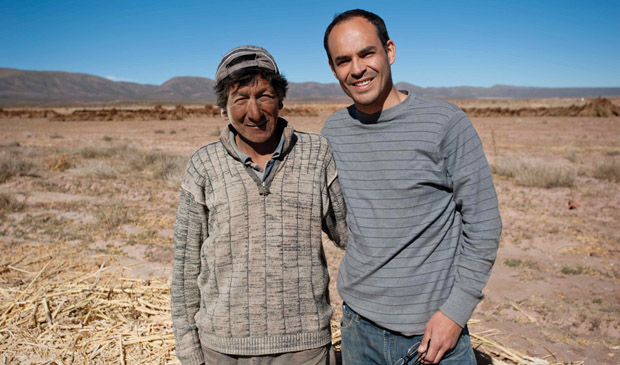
{"x": 363, "y": 83}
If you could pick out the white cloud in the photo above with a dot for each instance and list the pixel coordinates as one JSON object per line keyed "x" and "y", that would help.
{"x": 114, "y": 78}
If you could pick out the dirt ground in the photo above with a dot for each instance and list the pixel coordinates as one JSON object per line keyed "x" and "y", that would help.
{"x": 111, "y": 188}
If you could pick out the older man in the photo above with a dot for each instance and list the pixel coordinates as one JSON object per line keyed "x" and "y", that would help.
{"x": 250, "y": 282}
{"x": 422, "y": 209}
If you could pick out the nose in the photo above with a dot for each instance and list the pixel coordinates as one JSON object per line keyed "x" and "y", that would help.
{"x": 254, "y": 112}
{"x": 357, "y": 67}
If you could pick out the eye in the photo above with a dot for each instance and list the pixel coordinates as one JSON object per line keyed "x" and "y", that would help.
{"x": 240, "y": 99}
{"x": 267, "y": 97}
{"x": 342, "y": 62}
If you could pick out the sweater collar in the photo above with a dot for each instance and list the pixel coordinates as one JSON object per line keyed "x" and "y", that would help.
{"x": 382, "y": 115}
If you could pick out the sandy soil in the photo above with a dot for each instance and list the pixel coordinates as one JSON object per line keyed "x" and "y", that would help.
{"x": 554, "y": 292}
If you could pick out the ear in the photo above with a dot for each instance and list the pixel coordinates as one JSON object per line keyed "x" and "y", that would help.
{"x": 224, "y": 114}
{"x": 391, "y": 51}
{"x": 280, "y": 105}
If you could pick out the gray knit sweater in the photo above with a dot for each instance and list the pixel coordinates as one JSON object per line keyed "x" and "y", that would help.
{"x": 249, "y": 274}
{"x": 422, "y": 213}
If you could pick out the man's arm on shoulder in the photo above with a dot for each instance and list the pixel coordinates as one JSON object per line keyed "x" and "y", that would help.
{"x": 189, "y": 232}
{"x": 334, "y": 207}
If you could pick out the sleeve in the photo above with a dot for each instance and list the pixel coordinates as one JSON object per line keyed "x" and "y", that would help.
{"x": 189, "y": 232}
{"x": 476, "y": 203}
{"x": 334, "y": 207}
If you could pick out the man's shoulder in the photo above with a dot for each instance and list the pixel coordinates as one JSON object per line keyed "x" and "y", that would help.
{"x": 339, "y": 120}
{"x": 342, "y": 114}
{"x": 315, "y": 141}
{"x": 305, "y": 137}
{"x": 429, "y": 104}
{"x": 201, "y": 157}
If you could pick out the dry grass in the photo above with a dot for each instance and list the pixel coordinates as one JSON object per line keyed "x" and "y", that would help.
{"x": 57, "y": 309}
{"x": 58, "y": 162}
{"x": 534, "y": 174}
{"x": 8, "y": 204}
{"x": 63, "y": 306}
{"x": 14, "y": 164}
{"x": 98, "y": 169}
{"x": 157, "y": 165}
{"x": 112, "y": 162}
{"x": 518, "y": 263}
{"x": 608, "y": 169}
{"x": 92, "y": 152}
{"x": 112, "y": 215}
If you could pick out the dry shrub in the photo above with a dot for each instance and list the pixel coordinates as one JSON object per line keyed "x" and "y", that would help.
{"x": 8, "y": 144}
{"x": 157, "y": 165}
{"x": 98, "y": 169}
{"x": 112, "y": 215}
{"x": 131, "y": 162}
{"x": 533, "y": 174}
{"x": 58, "y": 162}
{"x": 8, "y": 204}
{"x": 607, "y": 170}
{"x": 90, "y": 152}
{"x": 13, "y": 164}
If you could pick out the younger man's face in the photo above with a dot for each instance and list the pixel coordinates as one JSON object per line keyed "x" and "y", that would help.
{"x": 361, "y": 64}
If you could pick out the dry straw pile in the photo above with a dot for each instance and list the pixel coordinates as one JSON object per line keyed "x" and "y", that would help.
{"x": 62, "y": 306}
{"x": 70, "y": 311}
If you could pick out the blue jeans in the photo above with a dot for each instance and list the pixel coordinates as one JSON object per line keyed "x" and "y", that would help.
{"x": 363, "y": 342}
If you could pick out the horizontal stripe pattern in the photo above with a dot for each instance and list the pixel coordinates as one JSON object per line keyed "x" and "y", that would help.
{"x": 421, "y": 209}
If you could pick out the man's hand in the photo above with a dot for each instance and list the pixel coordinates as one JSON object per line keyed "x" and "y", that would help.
{"x": 443, "y": 333}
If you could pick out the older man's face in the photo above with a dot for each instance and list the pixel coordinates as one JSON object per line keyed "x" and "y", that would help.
{"x": 253, "y": 111}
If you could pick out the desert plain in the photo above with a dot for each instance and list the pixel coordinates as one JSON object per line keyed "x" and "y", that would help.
{"x": 87, "y": 211}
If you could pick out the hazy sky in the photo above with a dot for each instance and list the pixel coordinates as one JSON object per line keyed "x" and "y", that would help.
{"x": 438, "y": 43}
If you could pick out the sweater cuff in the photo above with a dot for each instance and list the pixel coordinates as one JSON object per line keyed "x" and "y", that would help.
{"x": 460, "y": 306}
{"x": 194, "y": 358}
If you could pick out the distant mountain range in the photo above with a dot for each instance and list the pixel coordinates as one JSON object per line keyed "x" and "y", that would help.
{"x": 54, "y": 87}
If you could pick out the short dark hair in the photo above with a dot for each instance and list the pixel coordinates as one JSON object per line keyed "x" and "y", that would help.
{"x": 246, "y": 76}
{"x": 373, "y": 18}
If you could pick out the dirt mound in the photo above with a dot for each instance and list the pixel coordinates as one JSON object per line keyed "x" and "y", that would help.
{"x": 157, "y": 113}
{"x": 599, "y": 107}
{"x": 27, "y": 113}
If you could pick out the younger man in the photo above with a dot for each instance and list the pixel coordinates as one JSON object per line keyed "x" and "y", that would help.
{"x": 422, "y": 209}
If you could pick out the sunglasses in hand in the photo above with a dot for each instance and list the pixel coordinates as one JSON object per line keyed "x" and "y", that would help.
{"x": 413, "y": 354}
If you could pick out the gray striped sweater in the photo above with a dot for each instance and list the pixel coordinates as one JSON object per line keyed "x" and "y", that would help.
{"x": 422, "y": 213}
{"x": 249, "y": 273}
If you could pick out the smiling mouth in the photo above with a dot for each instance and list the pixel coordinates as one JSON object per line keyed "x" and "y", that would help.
{"x": 256, "y": 125}
{"x": 362, "y": 83}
